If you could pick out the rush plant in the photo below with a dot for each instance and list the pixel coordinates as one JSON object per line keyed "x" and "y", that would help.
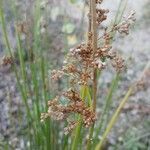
{"x": 82, "y": 66}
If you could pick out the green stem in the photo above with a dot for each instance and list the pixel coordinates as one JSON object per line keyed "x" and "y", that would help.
{"x": 24, "y": 95}
{"x": 90, "y": 137}
{"x": 79, "y": 126}
{"x": 114, "y": 119}
{"x": 89, "y": 99}
{"x": 107, "y": 104}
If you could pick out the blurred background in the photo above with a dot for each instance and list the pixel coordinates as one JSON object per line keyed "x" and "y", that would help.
{"x": 45, "y": 32}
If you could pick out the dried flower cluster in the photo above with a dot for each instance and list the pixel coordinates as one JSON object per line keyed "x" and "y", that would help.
{"x": 117, "y": 62}
{"x": 124, "y": 26}
{"x": 143, "y": 82}
{"x": 75, "y": 106}
{"x": 7, "y": 60}
{"x": 101, "y": 15}
{"x": 22, "y": 27}
{"x": 81, "y": 60}
{"x": 79, "y": 65}
{"x": 70, "y": 127}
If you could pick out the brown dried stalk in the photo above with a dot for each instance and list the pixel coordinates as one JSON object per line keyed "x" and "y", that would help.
{"x": 94, "y": 46}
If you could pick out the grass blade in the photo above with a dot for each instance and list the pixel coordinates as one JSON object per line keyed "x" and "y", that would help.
{"x": 107, "y": 105}
{"x": 114, "y": 119}
{"x": 79, "y": 126}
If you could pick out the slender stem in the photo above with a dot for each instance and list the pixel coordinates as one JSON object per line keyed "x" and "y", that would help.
{"x": 89, "y": 28}
{"x": 79, "y": 126}
{"x": 107, "y": 105}
{"x": 7, "y": 43}
{"x": 113, "y": 119}
{"x": 94, "y": 46}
